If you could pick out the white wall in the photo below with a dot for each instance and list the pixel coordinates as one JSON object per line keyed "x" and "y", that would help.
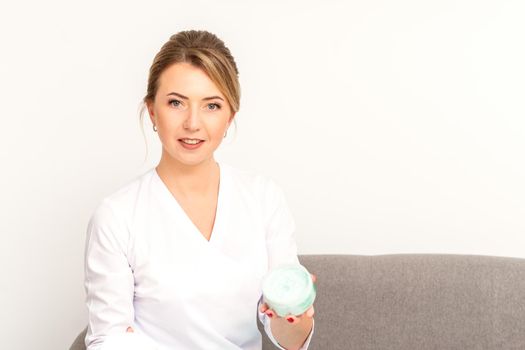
{"x": 393, "y": 126}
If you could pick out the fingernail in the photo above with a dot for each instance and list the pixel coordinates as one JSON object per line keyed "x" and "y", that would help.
{"x": 270, "y": 314}
{"x": 290, "y": 319}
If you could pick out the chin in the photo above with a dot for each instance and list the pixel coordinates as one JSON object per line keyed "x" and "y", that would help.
{"x": 195, "y": 160}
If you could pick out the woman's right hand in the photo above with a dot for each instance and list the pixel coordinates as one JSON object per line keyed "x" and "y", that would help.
{"x": 128, "y": 341}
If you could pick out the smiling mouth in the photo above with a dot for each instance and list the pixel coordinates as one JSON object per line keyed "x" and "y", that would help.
{"x": 191, "y": 141}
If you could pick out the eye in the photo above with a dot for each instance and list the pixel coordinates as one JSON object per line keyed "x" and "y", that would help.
{"x": 217, "y": 106}
{"x": 171, "y": 103}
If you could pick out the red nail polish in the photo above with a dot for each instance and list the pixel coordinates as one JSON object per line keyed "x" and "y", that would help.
{"x": 290, "y": 319}
{"x": 270, "y": 314}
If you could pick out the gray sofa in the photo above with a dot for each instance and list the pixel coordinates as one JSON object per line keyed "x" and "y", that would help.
{"x": 414, "y": 301}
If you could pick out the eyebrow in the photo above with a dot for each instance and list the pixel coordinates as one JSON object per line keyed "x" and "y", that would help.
{"x": 185, "y": 97}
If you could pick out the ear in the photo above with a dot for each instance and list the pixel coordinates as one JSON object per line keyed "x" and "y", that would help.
{"x": 151, "y": 112}
{"x": 231, "y": 118}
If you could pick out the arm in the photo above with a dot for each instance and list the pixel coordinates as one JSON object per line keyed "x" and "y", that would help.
{"x": 108, "y": 282}
{"x": 282, "y": 248}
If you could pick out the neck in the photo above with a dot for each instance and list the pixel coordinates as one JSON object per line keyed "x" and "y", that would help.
{"x": 189, "y": 179}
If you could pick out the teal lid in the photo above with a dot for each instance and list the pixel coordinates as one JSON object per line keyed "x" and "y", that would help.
{"x": 288, "y": 289}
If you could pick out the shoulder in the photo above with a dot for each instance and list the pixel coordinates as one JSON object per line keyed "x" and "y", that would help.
{"x": 264, "y": 186}
{"x": 119, "y": 204}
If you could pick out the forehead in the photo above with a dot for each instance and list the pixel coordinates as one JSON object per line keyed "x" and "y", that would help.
{"x": 188, "y": 80}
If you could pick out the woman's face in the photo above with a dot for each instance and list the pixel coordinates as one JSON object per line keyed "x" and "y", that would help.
{"x": 189, "y": 105}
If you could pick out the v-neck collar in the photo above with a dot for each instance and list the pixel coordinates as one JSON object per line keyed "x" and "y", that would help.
{"x": 219, "y": 211}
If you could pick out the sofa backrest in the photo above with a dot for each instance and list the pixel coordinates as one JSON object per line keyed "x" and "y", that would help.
{"x": 417, "y": 301}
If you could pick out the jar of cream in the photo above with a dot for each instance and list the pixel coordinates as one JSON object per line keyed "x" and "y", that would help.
{"x": 288, "y": 289}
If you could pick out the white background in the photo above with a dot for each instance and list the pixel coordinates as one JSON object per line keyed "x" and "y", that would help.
{"x": 392, "y": 126}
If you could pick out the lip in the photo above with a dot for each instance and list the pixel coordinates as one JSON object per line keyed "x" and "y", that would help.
{"x": 191, "y": 147}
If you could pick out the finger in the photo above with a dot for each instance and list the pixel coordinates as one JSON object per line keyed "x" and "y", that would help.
{"x": 292, "y": 319}
{"x": 310, "y": 312}
{"x": 263, "y": 307}
{"x": 314, "y": 277}
{"x": 271, "y": 313}
{"x": 129, "y": 330}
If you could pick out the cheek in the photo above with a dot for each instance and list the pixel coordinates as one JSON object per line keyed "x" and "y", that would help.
{"x": 171, "y": 120}
{"x": 217, "y": 127}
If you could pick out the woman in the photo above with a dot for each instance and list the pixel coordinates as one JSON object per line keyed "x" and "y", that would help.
{"x": 178, "y": 254}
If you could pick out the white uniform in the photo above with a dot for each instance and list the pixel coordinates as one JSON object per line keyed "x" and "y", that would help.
{"x": 148, "y": 266}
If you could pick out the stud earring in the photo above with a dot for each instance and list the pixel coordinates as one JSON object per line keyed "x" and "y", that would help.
{"x": 154, "y": 128}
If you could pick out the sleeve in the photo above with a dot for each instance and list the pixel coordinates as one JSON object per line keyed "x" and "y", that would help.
{"x": 280, "y": 227}
{"x": 280, "y": 243}
{"x": 108, "y": 281}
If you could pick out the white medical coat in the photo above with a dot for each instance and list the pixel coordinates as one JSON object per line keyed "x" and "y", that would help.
{"x": 148, "y": 266}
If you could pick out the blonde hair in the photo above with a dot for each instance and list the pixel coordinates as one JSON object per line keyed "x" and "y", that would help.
{"x": 203, "y": 50}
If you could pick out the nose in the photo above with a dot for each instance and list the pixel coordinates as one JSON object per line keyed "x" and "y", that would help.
{"x": 192, "y": 121}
